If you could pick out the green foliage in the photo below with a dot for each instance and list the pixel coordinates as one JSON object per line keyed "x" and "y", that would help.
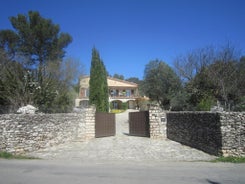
{"x": 16, "y": 84}
{"x": 60, "y": 102}
{"x": 98, "y": 86}
{"x": 118, "y": 76}
{"x": 38, "y": 76}
{"x": 111, "y": 105}
{"x": 134, "y": 79}
{"x": 205, "y": 104}
{"x": 8, "y": 42}
{"x": 230, "y": 159}
{"x": 211, "y": 75}
{"x": 7, "y": 155}
{"x": 179, "y": 101}
{"x": 124, "y": 105}
{"x": 160, "y": 82}
{"x": 140, "y": 84}
{"x": 39, "y": 38}
{"x": 240, "y": 106}
{"x": 143, "y": 104}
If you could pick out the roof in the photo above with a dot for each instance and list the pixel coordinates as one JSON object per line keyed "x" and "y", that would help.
{"x": 113, "y": 82}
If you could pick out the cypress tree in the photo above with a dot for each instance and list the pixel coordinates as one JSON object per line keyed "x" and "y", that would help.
{"x": 98, "y": 88}
{"x": 105, "y": 88}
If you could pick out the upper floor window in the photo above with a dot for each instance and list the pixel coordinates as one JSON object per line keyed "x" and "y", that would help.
{"x": 128, "y": 92}
{"x": 87, "y": 92}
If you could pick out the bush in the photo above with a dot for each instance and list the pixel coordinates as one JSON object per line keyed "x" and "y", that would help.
{"x": 205, "y": 104}
{"x": 124, "y": 106}
{"x": 143, "y": 104}
{"x": 240, "y": 106}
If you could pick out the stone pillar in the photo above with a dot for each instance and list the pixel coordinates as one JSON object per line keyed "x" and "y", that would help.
{"x": 158, "y": 122}
{"x": 233, "y": 133}
{"x": 86, "y": 127}
{"x": 90, "y": 123}
{"x": 77, "y": 102}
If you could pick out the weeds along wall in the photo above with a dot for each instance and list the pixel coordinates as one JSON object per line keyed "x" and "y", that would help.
{"x": 20, "y": 133}
{"x": 221, "y": 133}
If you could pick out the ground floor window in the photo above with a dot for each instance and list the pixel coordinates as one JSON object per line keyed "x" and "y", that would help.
{"x": 117, "y": 104}
{"x": 84, "y": 103}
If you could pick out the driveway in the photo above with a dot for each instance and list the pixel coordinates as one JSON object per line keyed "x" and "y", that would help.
{"x": 123, "y": 147}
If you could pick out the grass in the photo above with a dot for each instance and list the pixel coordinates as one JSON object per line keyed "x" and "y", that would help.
{"x": 116, "y": 111}
{"x": 7, "y": 155}
{"x": 230, "y": 159}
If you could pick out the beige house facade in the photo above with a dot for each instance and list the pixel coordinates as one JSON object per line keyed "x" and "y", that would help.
{"x": 120, "y": 91}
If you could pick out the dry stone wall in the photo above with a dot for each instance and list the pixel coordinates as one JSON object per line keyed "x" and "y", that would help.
{"x": 218, "y": 133}
{"x": 200, "y": 130}
{"x": 20, "y": 133}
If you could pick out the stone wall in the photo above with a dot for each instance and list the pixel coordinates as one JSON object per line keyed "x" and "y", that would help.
{"x": 157, "y": 120}
{"x": 20, "y": 133}
{"x": 215, "y": 133}
{"x": 200, "y": 130}
{"x": 233, "y": 133}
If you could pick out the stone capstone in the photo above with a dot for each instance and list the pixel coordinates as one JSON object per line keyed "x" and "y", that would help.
{"x": 29, "y": 109}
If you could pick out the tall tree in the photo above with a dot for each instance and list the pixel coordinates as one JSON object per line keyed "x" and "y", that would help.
{"x": 98, "y": 87}
{"x": 241, "y": 76}
{"x": 39, "y": 38}
{"x": 105, "y": 97}
{"x": 240, "y": 104}
{"x": 118, "y": 76}
{"x": 211, "y": 74}
{"x": 187, "y": 66}
{"x": 36, "y": 38}
{"x": 160, "y": 82}
{"x": 34, "y": 45}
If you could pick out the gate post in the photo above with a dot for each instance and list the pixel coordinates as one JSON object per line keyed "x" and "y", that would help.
{"x": 157, "y": 118}
{"x": 90, "y": 122}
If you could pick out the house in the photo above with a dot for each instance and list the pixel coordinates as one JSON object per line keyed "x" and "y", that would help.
{"x": 120, "y": 91}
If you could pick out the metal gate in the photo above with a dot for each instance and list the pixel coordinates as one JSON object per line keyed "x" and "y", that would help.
{"x": 104, "y": 124}
{"x": 139, "y": 124}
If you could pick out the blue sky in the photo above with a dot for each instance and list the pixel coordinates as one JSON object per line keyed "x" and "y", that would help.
{"x": 130, "y": 33}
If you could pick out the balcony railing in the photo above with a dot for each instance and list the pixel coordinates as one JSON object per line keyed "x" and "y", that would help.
{"x": 123, "y": 97}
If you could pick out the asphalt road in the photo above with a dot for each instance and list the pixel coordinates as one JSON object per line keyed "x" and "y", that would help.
{"x": 75, "y": 172}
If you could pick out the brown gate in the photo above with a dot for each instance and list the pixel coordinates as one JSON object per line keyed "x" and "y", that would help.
{"x": 104, "y": 124}
{"x": 139, "y": 124}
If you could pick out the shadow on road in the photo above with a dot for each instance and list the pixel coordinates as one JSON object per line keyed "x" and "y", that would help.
{"x": 212, "y": 182}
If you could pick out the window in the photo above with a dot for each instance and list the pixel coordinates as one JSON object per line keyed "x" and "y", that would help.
{"x": 132, "y": 92}
{"x": 87, "y": 92}
{"x": 128, "y": 93}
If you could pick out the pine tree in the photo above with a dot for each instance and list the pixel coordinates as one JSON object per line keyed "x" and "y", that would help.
{"x": 98, "y": 87}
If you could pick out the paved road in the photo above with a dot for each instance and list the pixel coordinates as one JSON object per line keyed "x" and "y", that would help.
{"x": 78, "y": 172}
{"x": 123, "y": 147}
